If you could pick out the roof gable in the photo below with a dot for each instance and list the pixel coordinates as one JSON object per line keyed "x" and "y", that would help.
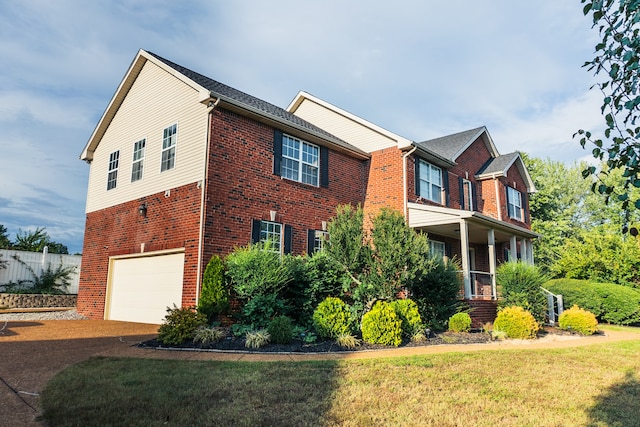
{"x": 452, "y": 146}
{"x": 210, "y": 90}
{"x": 499, "y": 166}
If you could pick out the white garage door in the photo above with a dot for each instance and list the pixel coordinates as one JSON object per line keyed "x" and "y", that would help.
{"x": 142, "y": 288}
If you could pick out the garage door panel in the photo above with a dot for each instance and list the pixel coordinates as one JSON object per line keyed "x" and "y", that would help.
{"x": 142, "y": 288}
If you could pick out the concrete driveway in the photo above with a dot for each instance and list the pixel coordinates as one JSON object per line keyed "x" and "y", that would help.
{"x": 32, "y": 352}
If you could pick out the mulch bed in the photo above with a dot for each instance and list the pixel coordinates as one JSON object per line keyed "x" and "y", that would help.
{"x": 232, "y": 343}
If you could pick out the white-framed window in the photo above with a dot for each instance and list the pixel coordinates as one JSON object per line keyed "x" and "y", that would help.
{"x": 320, "y": 240}
{"x": 467, "y": 195}
{"x": 112, "y": 176}
{"x": 271, "y": 235}
{"x": 437, "y": 249}
{"x": 430, "y": 181}
{"x": 514, "y": 203}
{"x": 138, "y": 160}
{"x": 169, "y": 140}
{"x": 300, "y": 160}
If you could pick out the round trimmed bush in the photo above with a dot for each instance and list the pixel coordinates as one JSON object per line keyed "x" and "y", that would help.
{"x": 332, "y": 318}
{"x": 281, "y": 330}
{"x": 180, "y": 325}
{"x": 460, "y": 322}
{"x": 407, "y": 311}
{"x": 382, "y": 325}
{"x": 578, "y": 320}
{"x": 516, "y": 322}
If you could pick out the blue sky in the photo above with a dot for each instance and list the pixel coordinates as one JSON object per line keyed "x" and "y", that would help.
{"x": 421, "y": 69}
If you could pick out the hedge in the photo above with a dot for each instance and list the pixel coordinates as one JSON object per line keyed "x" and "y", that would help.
{"x": 609, "y": 302}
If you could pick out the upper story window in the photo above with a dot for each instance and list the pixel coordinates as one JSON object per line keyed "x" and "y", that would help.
{"x": 169, "y": 148}
{"x": 138, "y": 160}
{"x": 514, "y": 203}
{"x": 112, "y": 177}
{"x": 300, "y": 160}
{"x": 467, "y": 195}
{"x": 429, "y": 181}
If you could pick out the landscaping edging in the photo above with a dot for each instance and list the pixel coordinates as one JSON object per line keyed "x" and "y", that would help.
{"x": 36, "y": 300}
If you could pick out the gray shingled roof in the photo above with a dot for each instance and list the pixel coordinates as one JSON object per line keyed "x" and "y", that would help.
{"x": 498, "y": 164}
{"x": 450, "y": 145}
{"x": 243, "y": 99}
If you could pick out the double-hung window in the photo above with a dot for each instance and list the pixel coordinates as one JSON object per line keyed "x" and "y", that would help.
{"x": 138, "y": 160}
{"x": 514, "y": 203}
{"x": 169, "y": 140}
{"x": 430, "y": 181}
{"x": 436, "y": 249}
{"x": 112, "y": 176}
{"x": 271, "y": 235}
{"x": 300, "y": 160}
{"x": 317, "y": 241}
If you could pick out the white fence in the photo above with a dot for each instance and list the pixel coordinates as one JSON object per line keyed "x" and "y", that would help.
{"x": 16, "y": 271}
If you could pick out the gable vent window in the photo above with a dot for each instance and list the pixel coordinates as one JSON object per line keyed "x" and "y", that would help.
{"x": 169, "y": 148}
{"x": 138, "y": 160}
{"x": 514, "y": 203}
{"x": 112, "y": 177}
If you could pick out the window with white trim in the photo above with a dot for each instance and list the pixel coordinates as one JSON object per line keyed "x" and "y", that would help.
{"x": 320, "y": 240}
{"x": 467, "y": 190}
{"x": 112, "y": 176}
{"x": 514, "y": 203}
{"x": 437, "y": 249}
{"x": 271, "y": 235}
{"x": 138, "y": 160}
{"x": 430, "y": 182}
{"x": 300, "y": 160}
{"x": 169, "y": 140}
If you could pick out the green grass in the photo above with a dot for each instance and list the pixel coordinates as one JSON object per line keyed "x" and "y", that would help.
{"x": 596, "y": 386}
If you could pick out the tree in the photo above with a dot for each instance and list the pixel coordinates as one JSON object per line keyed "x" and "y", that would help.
{"x": 35, "y": 241}
{"x": 5, "y": 243}
{"x": 617, "y": 60}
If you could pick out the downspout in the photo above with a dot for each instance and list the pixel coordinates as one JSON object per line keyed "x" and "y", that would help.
{"x": 404, "y": 182}
{"x": 210, "y": 107}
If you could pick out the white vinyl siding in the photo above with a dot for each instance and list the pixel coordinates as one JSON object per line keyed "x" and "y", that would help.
{"x": 138, "y": 161}
{"x": 156, "y": 100}
{"x": 345, "y": 128}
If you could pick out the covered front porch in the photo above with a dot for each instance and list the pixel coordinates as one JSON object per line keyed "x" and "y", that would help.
{"x": 480, "y": 243}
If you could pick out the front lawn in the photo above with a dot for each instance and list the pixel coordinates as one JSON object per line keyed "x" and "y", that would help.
{"x": 595, "y": 385}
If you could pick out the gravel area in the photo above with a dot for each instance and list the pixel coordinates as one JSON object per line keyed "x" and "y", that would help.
{"x": 43, "y": 315}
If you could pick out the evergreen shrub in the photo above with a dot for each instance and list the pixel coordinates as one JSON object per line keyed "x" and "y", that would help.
{"x": 578, "y": 320}
{"x": 382, "y": 325}
{"x": 281, "y": 330}
{"x": 214, "y": 297}
{"x": 460, "y": 322}
{"x": 407, "y": 311}
{"x": 516, "y": 322}
{"x": 332, "y": 318}
{"x": 180, "y": 325}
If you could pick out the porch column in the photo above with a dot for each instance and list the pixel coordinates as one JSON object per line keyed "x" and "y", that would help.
{"x": 524, "y": 251}
{"x": 464, "y": 242}
{"x": 530, "y": 251}
{"x": 492, "y": 260}
{"x": 513, "y": 249}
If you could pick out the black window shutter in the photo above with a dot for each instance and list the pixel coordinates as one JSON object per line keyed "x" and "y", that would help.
{"x": 525, "y": 206}
{"x": 277, "y": 151}
{"x": 506, "y": 189}
{"x": 287, "y": 239}
{"x": 255, "y": 230}
{"x": 461, "y": 186}
{"x": 311, "y": 237}
{"x": 445, "y": 179}
{"x": 324, "y": 167}
{"x": 417, "y": 171}
{"x": 447, "y": 250}
{"x": 474, "y": 196}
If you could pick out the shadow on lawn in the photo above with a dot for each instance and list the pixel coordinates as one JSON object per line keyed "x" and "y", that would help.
{"x": 618, "y": 404}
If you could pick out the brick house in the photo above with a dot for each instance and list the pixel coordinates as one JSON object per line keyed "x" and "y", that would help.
{"x": 183, "y": 167}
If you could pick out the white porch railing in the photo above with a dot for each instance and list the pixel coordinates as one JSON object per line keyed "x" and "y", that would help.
{"x": 481, "y": 285}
